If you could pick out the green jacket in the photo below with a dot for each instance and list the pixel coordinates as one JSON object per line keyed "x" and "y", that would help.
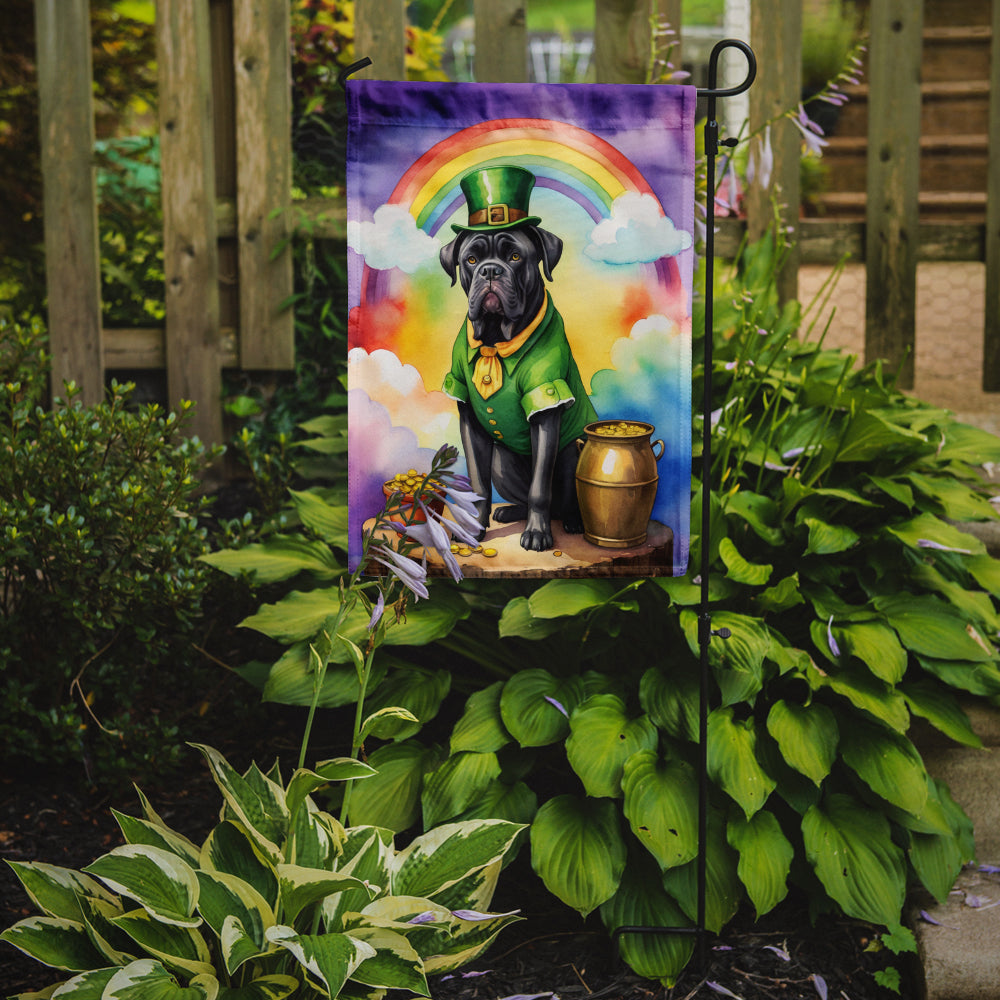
{"x": 540, "y": 375}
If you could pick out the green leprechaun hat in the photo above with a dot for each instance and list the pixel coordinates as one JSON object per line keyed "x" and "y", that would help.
{"x": 497, "y": 198}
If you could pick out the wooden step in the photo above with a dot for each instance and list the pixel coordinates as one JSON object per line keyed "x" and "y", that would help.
{"x": 957, "y": 206}
{"x": 945, "y": 12}
{"x": 956, "y": 53}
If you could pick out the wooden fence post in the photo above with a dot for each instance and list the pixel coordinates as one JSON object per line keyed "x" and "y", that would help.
{"x": 380, "y": 34}
{"x": 892, "y": 214}
{"x": 72, "y": 255}
{"x": 622, "y": 38}
{"x": 262, "y": 61}
{"x": 776, "y": 34}
{"x": 190, "y": 252}
{"x": 501, "y": 41}
{"x": 991, "y": 332}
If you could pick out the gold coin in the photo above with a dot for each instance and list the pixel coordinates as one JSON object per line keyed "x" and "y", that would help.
{"x": 557, "y": 552}
{"x": 489, "y": 553}
{"x": 465, "y": 550}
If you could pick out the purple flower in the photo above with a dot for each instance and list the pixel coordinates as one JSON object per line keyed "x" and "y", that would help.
{"x": 475, "y": 915}
{"x": 834, "y": 648}
{"x": 552, "y": 701}
{"x": 811, "y": 132}
{"x": 820, "y": 983}
{"x": 761, "y": 162}
{"x": 427, "y": 917}
{"x": 408, "y": 571}
{"x": 780, "y": 952}
{"x": 377, "y": 611}
{"x": 927, "y": 543}
{"x": 719, "y": 988}
{"x": 430, "y": 535}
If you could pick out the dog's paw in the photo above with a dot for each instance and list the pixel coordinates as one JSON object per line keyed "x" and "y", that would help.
{"x": 536, "y": 540}
{"x": 573, "y": 525}
{"x": 510, "y": 513}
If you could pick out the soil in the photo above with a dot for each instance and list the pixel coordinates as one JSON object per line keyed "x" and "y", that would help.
{"x": 551, "y": 952}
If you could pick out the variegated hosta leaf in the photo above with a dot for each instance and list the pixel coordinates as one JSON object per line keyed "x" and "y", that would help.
{"x": 367, "y": 853}
{"x": 177, "y": 947}
{"x": 765, "y": 858}
{"x": 54, "y": 941}
{"x": 481, "y": 727}
{"x": 732, "y": 760}
{"x": 723, "y": 889}
{"x": 256, "y": 801}
{"x": 329, "y": 959}
{"x": 642, "y": 902}
{"x": 850, "y": 847}
{"x": 535, "y": 706}
{"x": 476, "y": 890}
{"x": 888, "y": 763}
{"x": 315, "y": 838}
{"x": 456, "y": 784}
{"x": 578, "y": 851}
{"x": 391, "y": 799}
{"x": 301, "y": 887}
{"x": 56, "y": 891}
{"x": 116, "y": 947}
{"x": 395, "y": 964}
{"x": 661, "y": 805}
{"x": 158, "y": 880}
{"x": 149, "y": 980}
{"x": 225, "y": 897}
{"x": 274, "y": 987}
{"x": 602, "y": 737}
{"x": 807, "y": 736}
{"x": 230, "y": 849}
{"x": 86, "y": 986}
{"x": 467, "y": 940}
{"x": 141, "y": 831}
{"x": 304, "y": 782}
{"x": 441, "y": 857}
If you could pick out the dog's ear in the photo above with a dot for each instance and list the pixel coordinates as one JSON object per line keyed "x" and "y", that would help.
{"x": 549, "y": 249}
{"x": 449, "y": 257}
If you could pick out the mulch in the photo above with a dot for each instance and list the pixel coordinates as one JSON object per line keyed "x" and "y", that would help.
{"x": 551, "y": 952}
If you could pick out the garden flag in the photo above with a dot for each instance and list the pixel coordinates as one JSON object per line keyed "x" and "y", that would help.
{"x": 520, "y": 266}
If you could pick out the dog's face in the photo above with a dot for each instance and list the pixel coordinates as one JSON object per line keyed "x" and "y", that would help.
{"x": 500, "y": 275}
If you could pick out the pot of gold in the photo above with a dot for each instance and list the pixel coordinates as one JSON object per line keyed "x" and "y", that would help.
{"x": 616, "y": 482}
{"x": 404, "y": 486}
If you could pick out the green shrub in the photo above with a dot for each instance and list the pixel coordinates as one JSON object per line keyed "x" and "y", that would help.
{"x": 99, "y": 546}
{"x": 279, "y": 900}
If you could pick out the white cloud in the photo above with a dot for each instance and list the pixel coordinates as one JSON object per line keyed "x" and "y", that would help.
{"x": 637, "y": 232}
{"x": 392, "y": 240}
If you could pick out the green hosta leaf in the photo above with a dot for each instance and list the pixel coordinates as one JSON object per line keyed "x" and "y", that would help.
{"x": 870, "y": 435}
{"x": 931, "y": 628}
{"x": 456, "y": 784}
{"x": 391, "y": 798}
{"x": 738, "y": 569}
{"x": 147, "y": 979}
{"x": 941, "y": 709}
{"x": 395, "y": 964}
{"x": 661, "y": 806}
{"x": 783, "y": 595}
{"x": 976, "y": 678}
{"x": 230, "y": 849}
{"x": 516, "y": 803}
{"x": 517, "y": 620}
{"x": 965, "y": 443}
{"x": 888, "y": 763}
{"x": 807, "y": 736}
{"x": 54, "y": 941}
{"x": 937, "y": 859}
{"x": 301, "y": 887}
{"x": 732, "y": 760}
{"x": 535, "y": 706}
{"x": 279, "y": 558}
{"x": 602, "y": 738}
{"x": 292, "y": 680}
{"x": 159, "y": 881}
{"x": 765, "y": 858}
{"x": 641, "y": 901}
{"x": 275, "y": 987}
{"x": 893, "y": 488}
{"x": 723, "y": 889}
{"x": 928, "y": 528}
{"x": 560, "y": 598}
{"x": 957, "y": 501}
{"x": 260, "y": 809}
{"x": 304, "y": 782}
{"x": 141, "y": 831}
{"x": 180, "y": 948}
{"x": 976, "y": 605}
{"x": 225, "y": 897}
{"x": 56, "y": 891}
{"x": 671, "y": 699}
{"x": 418, "y": 691}
{"x": 330, "y": 959}
{"x": 986, "y": 572}
{"x": 438, "y": 859}
{"x": 738, "y": 661}
{"x": 327, "y": 520}
{"x": 866, "y": 692}
{"x": 684, "y": 592}
{"x": 758, "y": 511}
{"x": 481, "y": 728}
{"x": 578, "y": 851}
{"x": 850, "y": 848}
{"x": 876, "y": 646}
{"x": 828, "y": 539}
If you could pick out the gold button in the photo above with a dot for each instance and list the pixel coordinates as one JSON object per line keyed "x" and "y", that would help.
{"x": 550, "y": 391}
{"x": 493, "y": 423}
{"x": 487, "y": 379}
{"x": 489, "y": 409}
{"x": 497, "y": 434}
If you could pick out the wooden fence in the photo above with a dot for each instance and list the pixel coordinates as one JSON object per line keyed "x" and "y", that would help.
{"x": 226, "y": 161}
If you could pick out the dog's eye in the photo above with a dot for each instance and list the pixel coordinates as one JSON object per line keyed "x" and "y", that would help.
{"x": 470, "y": 259}
{"x": 515, "y": 256}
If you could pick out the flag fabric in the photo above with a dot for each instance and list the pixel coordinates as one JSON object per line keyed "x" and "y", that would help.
{"x": 520, "y": 284}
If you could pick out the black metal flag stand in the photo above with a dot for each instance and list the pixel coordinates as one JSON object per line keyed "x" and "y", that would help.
{"x": 705, "y": 631}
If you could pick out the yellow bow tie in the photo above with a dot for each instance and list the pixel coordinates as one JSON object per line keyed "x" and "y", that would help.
{"x": 487, "y": 376}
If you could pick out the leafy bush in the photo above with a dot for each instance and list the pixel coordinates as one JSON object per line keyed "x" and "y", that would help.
{"x": 855, "y": 604}
{"x": 279, "y": 899}
{"x": 99, "y": 540}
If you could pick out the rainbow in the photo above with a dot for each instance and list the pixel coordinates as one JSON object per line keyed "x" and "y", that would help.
{"x": 563, "y": 157}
